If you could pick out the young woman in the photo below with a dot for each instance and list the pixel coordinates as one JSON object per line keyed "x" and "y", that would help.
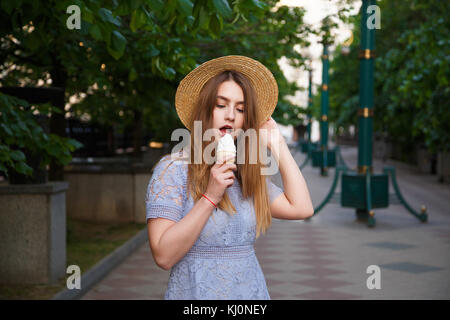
{"x": 203, "y": 219}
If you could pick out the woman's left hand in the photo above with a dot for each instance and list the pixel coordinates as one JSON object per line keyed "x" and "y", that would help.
{"x": 273, "y": 136}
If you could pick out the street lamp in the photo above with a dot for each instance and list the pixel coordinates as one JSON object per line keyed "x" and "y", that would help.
{"x": 346, "y": 45}
{"x": 363, "y": 189}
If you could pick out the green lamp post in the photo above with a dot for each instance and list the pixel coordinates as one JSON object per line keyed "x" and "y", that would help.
{"x": 304, "y": 144}
{"x": 323, "y": 157}
{"x": 309, "y": 104}
{"x": 311, "y": 145}
{"x": 309, "y": 119}
{"x": 308, "y": 146}
{"x": 362, "y": 189}
{"x": 365, "y": 120}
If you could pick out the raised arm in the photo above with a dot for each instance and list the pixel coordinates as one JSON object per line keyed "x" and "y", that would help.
{"x": 295, "y": 203}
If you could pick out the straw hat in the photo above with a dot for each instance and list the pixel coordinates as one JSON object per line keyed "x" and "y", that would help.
{"x": 261, "y": 78}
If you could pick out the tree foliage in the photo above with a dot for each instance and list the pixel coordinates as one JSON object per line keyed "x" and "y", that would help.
{"x": 411, "y": 74}
{"x": 19, "y": 131}
{"x": 124, "y": 64}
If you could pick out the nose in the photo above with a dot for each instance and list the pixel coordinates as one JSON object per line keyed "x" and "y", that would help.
{"x": 230, "y": 113}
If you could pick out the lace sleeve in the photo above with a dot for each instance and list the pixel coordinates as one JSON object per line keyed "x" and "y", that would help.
{"x": 273, "y": 190}
{"x": 165, "y": 191}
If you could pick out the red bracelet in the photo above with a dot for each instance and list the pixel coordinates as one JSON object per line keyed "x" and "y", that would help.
{"x": 209, "y": 200}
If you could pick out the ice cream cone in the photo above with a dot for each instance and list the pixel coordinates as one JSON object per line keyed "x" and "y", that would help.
{"x": 226, "y": 149}
{"x": 223, "y": 155}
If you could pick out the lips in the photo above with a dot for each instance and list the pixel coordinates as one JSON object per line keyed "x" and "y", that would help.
{"x": 226, "y": 129}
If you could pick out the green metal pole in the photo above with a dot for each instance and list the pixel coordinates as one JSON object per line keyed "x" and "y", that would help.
{"x": 365, "y": 112}
{"x": 366, "y": 94}
{"x": 324, "y": 110}
{"x": 309, "y": 107}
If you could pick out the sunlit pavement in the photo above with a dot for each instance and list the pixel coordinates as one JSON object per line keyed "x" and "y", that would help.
{"x": 328, "y": 256}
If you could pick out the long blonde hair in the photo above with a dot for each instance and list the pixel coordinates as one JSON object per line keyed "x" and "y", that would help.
{"x": 252, "y": 183}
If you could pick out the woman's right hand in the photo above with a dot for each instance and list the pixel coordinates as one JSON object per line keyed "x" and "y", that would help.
{"x": 221, "y": 177}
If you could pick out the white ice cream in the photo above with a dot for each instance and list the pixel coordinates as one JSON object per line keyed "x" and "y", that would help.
{"x": 226, "y": 148}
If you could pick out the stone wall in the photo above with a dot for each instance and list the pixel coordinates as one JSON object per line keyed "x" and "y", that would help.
{"x": 33, "y": 233}
{"x": 110, "y": 190}
{"x": 107, "y": 196}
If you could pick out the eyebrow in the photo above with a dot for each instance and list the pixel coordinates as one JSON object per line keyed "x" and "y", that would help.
{"x": 228, "y": 100}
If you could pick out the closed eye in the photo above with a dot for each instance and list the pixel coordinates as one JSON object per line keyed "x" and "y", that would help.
{"x": 222, "y": 106}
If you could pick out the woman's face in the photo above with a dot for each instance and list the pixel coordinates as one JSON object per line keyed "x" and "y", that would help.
{"x": 229, "y": 108}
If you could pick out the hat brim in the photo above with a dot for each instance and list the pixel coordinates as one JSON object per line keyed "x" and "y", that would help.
{"x": 262, "y": 80}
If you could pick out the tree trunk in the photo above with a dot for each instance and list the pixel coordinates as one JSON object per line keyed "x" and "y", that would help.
{"x": 137, "y": 133}
{"x": 58, "y": 120}
{"x": 111, "y": 141}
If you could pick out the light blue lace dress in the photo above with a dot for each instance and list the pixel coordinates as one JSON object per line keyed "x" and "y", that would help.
{"x": 222, "y": 263}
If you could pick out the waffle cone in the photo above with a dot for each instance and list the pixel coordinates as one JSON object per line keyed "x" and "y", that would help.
{"x": 222, "y": 155}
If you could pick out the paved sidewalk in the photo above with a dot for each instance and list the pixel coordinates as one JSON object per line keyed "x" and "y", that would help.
{"x": 327, "y": 257}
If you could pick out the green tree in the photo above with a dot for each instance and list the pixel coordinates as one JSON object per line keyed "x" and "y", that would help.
{"x": 413, "y": 72}
{"x": 20, "y": 132}
{"x": 411, "y": 75}
{"x": 267, "y": 33}
{"x": 344, "y": 82}
{"x": 142, "y": 89}
{"x": 38, "y": 47}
